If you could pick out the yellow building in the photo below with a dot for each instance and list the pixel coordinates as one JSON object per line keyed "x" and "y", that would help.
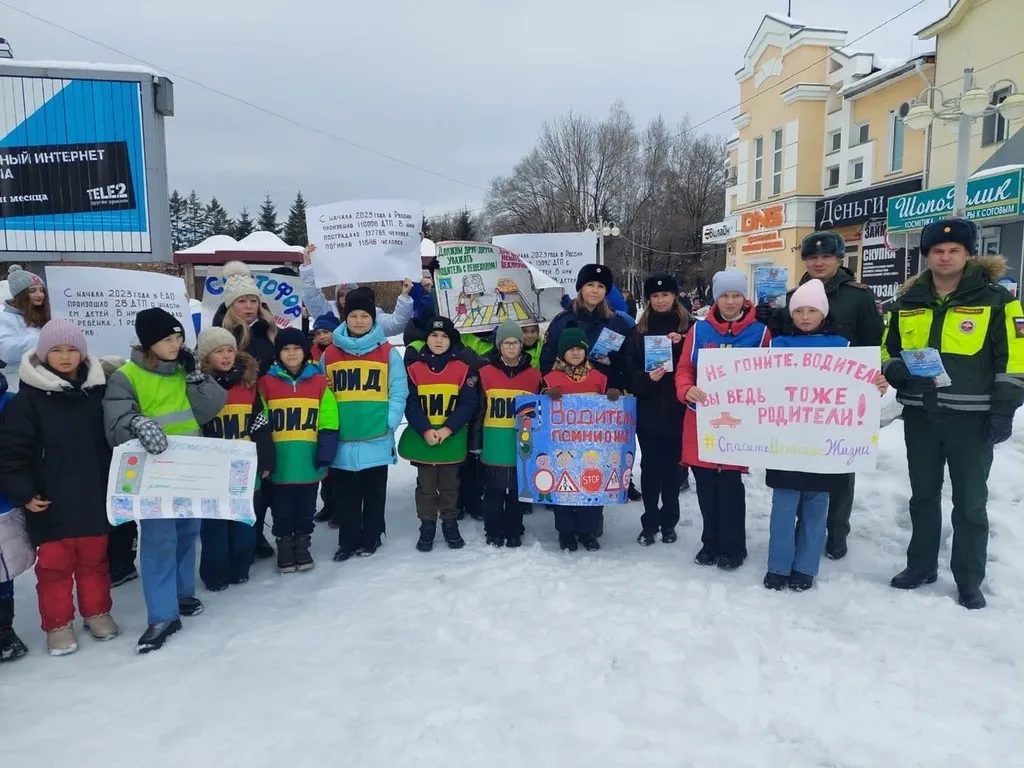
{"x": 819, "y": 144}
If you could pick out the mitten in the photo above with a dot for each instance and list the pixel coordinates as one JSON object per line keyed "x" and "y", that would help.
{"x": 196, "y": 377}
{"x": 554, "y": 393}
{"x": 998, "y": 428}
{"x": 613, "y": 394}
{"x": 900, "y": 377}
{"x": 187, "y": 360}
{"x": 149, "y": 433}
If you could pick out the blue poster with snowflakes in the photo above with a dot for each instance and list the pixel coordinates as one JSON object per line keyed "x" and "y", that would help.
{"x": 575, "y": 451}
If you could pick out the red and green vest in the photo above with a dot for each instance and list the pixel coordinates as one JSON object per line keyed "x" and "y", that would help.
{"x": 594, "y": 383}
{"x": 438, "y": 394}
{"x": 360, "y": 387}
{"x": 297, "y": 414}
{"x": 232, "y": 422}
{"x": 499, "y": 395}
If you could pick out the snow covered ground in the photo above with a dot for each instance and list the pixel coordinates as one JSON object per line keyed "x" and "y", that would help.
{"x": 629, "y": 656}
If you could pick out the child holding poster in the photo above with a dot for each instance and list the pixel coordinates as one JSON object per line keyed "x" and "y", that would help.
{"x": 508, "y": 373}
{"x": 304, "y": 427}
{"x": 442, "y": 401}
{"x": 720, "y": 492}
{"x": 54, "y": 461}
{"x": 573, "y": 374}
{"x": 161, "y": 392}
{"x": 795, "y": 541}
{"x": 229, "y": 545}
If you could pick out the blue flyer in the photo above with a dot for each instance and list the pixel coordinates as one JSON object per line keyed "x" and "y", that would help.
{"x": 926, "y": 362}
{"x": 770, "y": 285}
{"x": 657, "y": 353}
{"x": 607, "y": 342}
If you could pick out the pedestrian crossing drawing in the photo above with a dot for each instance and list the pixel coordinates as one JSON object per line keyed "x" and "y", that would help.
{"x": 492, "y": 314}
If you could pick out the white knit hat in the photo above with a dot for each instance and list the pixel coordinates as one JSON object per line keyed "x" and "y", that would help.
{"x": 238, "y": 282}
{"x": 213, "y": 337}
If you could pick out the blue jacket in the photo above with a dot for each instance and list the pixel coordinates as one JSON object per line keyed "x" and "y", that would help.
{"x": 422, "y": 302}
{"x": 354, "y": 456}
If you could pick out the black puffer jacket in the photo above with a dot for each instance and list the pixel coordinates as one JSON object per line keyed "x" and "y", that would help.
{"x": 53, "y": 445}
{"x": 591, "y": 324}
{"x": 260, "y": 346}
{"x": 658, "y": 410}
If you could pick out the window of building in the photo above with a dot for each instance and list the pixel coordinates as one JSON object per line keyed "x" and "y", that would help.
{"x": 995, "y": 127}
{"x": 758, "y": 166}
{"x": 990, "y": 243}
{"x": 861, "y": 134}
{"x": 832, "y": 177}
{"x": 856, "y": 170}
{"x": 896, "y": 141}
{"x": 852, "y": 259}
{"x": 777, "y": 162}
{"x": 834, "y": 142}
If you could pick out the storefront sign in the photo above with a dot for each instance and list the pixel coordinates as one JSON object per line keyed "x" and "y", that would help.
{"x": 883, "y": 269}
{"x": 990, "y": 197}
{"x": 762, "y": 226}
{"x": 861, "y": 206}
{"x": 763, "y": 242}
{"x": 722, "y": 232}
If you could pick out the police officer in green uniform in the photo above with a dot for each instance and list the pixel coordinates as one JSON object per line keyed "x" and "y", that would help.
{"x": 955, "y": 307}
{"x": 854, "y": 315}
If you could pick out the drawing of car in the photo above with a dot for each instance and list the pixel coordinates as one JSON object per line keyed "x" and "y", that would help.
{"x": 726, "y": 419}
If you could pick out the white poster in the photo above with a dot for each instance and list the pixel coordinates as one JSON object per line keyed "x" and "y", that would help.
{"x": 803, "y": 408}
{"x": 196, "y": 477}
{"x": 279, "y": 292}
{"x": 103, "y": 302}
{"x": 361, "y": 241}
{"x": 559, "y": 255}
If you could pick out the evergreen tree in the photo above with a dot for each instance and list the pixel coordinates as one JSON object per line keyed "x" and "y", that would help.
{"x": 178, "y": 211}
{"x": 465, "y": 227}
{"x": 267, "y": 219}
{"x": 426, "y": 227}
{"x": 243, "y": 225}
{"x": 197, "y": 225}
{"x": 218, "y": 220}
{"x": 295, "y": 227}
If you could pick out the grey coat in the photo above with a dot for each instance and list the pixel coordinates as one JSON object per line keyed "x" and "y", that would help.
{"x": 17, "y": 554}
{"x": 121, "y": 405}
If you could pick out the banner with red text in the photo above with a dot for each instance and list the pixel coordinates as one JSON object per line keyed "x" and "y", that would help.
{"x": 577, "y": 451}
{"x": 807, "y": 409}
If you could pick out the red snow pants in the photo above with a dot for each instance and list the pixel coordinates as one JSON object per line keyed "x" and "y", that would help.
{"x": 63, "y": 564}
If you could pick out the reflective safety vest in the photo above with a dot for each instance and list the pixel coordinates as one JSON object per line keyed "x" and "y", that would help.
{"x": 360, "y": 385}
{"x": 232, "y": 422}
{"x": 499, "y": 395}
{"x": 594, "y": 383}
{"x": 438, "y": 396}
{"x": 294, "y": 414}
{"x": 163, "y": 398}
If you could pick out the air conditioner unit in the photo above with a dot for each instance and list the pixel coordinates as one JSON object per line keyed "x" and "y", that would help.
{"x": 903, "y": 109}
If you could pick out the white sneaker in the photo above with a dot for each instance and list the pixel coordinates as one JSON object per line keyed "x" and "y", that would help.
{"x": 61, "y": 642}
{"x": 102, "y": 627}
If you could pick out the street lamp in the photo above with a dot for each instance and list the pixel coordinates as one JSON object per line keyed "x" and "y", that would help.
{"x": 973, "y": 103}
{"x": 604, "y": 229}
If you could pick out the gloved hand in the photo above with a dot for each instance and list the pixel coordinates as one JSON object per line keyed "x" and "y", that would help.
{"x": 764, "y": 313}
{"x": 900, "y": 377}
{"x": 998, "y": 428}
{"x": 613, "y": 394}
{"x": 149, "y": 433}
{"x": 187, "y": 360}
{"x": 553, "y": 392}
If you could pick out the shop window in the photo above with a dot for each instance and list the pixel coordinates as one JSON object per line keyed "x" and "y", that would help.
{"x": 990, "y": 241}
{"x": 852, "y": 259}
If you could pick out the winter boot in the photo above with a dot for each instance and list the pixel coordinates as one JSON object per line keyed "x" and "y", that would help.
{"x": 970, "y": 598}
{"x": 156, "y": 635}
{"x": 11, "y": 647}
{"x": 286, "y": 555}
{"x": 123, "y": 576}
{"x": 729, "y": 562}
{"x": 263, "y": 548}
{"x": 514, "y": 542}
{"x": 452, "y": 537}
{"x": 495, "y": 540}
{"x": 62, "y": 642}
{"x": 775, "y": 581}
{"x": 189, "y": 606}
{"x": 800, "y": 582}
{"x": 428, "y": 530}
{"x": 835, "y": 549}
{"x": 303, "y": 560}
{"x": 705, "y": 557}
{"x": 341, "y": 554}
{"x": 645, "y": 539}
{"x": 102, "y": 627}
{"x": 590, "y": 543}
{"x": 912, "y": 578}
{"x": 567, "y": 542}
{"x": 670, "y": 536}
{"x": 634, "y": 494}
{"x": 323, "y": 516}
{"x": 370, "y": 549}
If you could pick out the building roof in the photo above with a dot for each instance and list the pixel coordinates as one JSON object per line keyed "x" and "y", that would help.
{"x": 6, "y": 65}
{"x": 952, "y": 17}
{"x": 1008, "y": 157}
{"x": 895, "y": 68}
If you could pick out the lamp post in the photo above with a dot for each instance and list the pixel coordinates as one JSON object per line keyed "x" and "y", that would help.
{"x": 604, "y": 229}
{"x": 973, "y": 103}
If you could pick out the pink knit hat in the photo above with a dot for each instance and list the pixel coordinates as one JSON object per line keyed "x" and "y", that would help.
{"x": 810, "y": 294}
{"x": 60, "y": 332}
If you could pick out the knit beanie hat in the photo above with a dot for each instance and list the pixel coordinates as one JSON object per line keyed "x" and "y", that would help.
{"x": 507, "y": 330}
{"x": 728, "y": 281}
{"x": 290, "y": 336}
{"x": 238, "y": 282}
{"x": 447, "y": 327}
{"x": 326, "y": 322}
{"x": 810, "y": 294}
{"x": 19, "y": 279}
{"x": 155, "y": 324}
{"x": 59, "y": 332}
{"x": 660, "y": 284}
{"x": 214, "y": 337}
{"x": 360, "y": 299}
{"x": 594, "y": 273}
{"x": 572, "y": 337}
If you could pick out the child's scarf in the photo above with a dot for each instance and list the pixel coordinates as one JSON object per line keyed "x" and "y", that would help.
{"x": 574, "y": 372}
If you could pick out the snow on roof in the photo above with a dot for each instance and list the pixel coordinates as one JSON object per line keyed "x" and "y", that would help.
{"x": 137, "y": 69}
{"x": 893, "y": 68}
{"x": 998, "y": 169}
{"x": 427, "y": 248}
{"x": 211, "y": 245}
{"x": 265, "y": 242}
{"x": 784, "y": 19}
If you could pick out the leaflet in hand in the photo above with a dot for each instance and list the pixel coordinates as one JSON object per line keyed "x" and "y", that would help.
{"x": 657, "y": 353}
{"x": 927, "y": 363}
{"x": 607, "y": 342}
{"x": 770, "y": 285}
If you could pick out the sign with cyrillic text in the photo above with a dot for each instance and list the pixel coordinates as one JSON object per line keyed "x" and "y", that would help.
{"x": 810, "y": 409}
{"x": 279, "y": 292}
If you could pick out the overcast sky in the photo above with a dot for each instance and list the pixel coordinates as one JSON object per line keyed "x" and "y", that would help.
{"x": 443, "y": 84}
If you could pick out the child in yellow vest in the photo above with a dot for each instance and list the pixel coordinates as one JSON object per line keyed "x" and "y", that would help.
{"x": 442, "y": 401}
